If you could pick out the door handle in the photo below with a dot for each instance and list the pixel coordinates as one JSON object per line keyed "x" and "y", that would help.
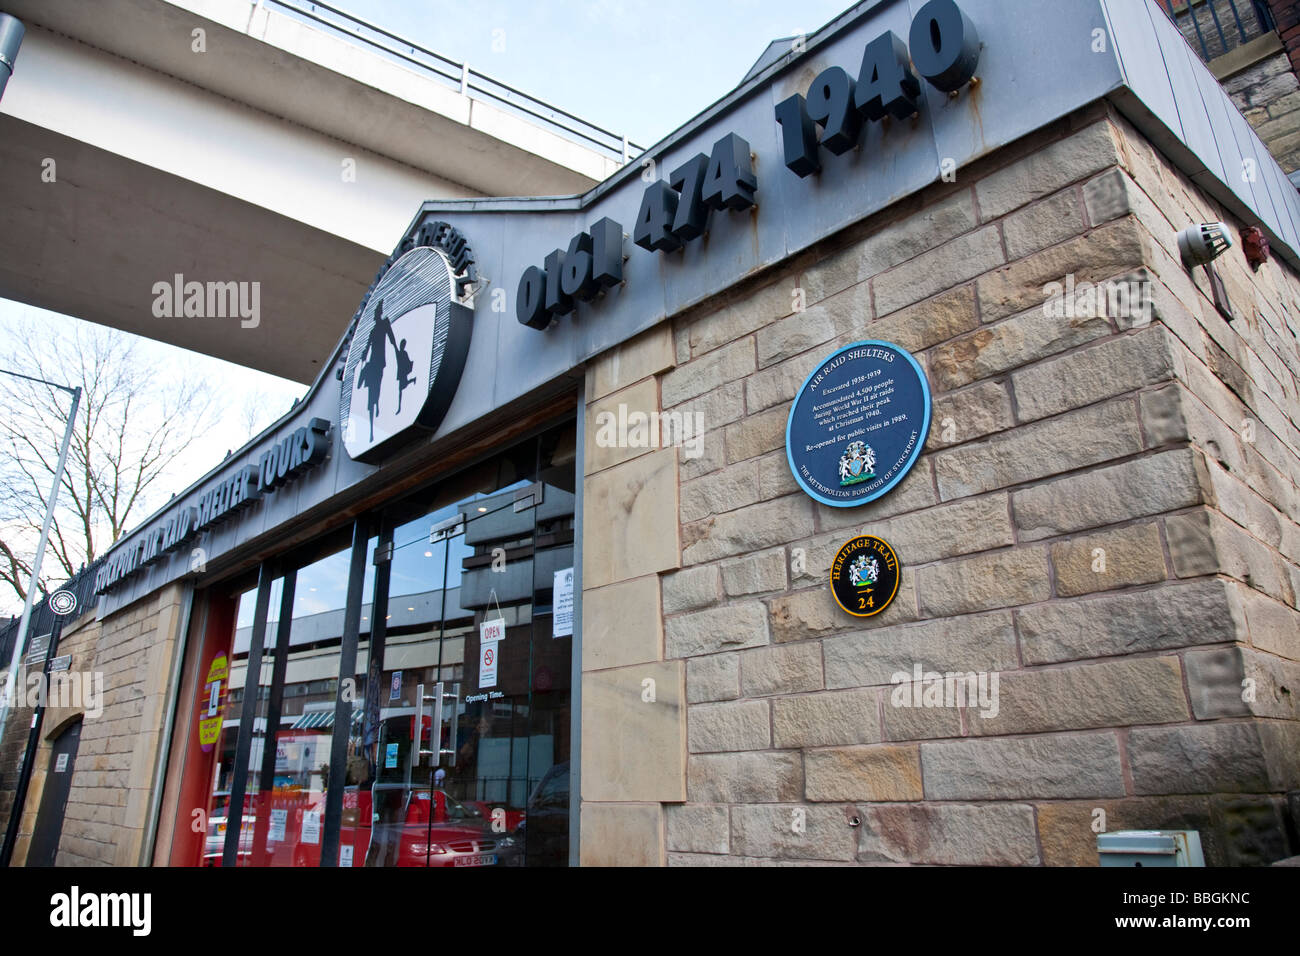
{"x": 437, "y": 751}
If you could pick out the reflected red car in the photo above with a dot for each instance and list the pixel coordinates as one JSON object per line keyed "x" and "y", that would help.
{"x": 510, "y": 819}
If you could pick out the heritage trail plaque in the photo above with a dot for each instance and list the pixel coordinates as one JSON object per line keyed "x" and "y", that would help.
{"x": 865, "y": 575}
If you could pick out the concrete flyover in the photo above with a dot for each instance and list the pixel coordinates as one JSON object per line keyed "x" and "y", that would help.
{"x": 290, "y": 151}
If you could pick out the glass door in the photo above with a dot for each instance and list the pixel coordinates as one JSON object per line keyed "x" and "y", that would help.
{"x": 464, "y": 600}
{"x": 468, "y": 617}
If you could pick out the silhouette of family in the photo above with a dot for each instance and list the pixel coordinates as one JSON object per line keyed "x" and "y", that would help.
{"x": 374, "y": 360}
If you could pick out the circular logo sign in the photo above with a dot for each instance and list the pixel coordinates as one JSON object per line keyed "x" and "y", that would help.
{"x": 858, "y": 424}
{"x": 406, "y": 355}
{"x": 63, "y": 602}
{"x": 864, "y": 576}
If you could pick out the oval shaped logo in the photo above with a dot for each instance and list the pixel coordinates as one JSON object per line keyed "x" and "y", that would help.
{"x": 406, "y": 355}
{"x": 865, "y": 576}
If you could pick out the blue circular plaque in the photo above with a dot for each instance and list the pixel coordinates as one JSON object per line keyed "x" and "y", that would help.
{"x": 858, "y": 424}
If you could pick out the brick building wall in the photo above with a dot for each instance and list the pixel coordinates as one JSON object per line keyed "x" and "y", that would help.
{"x": 1164, "y": 442}
{"x": 11, "y": 749}
{"x": 1268, "y": 95}
{"x": 78, "y": 641}
{"x": 1286, "y": 16}
{"x": 104, "y": 824}
{"x": 1105, "y": 517}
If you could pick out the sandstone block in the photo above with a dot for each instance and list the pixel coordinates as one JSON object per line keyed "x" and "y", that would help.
{"x": 992, "y": 580}
{"x": 792, "y": 832}
{"x": 696, "y": 828}
{"x": 1133, "y": 489}
{"x": 729, "y": 726}
{"x": 747, "y": 777}
{"x": 1047, "y": 170}
{"x": 1109, "y": 559}
{"x": 1084, "y": 437}
{"x": 717, "y": 629}
{"x": 1175, "y": 615}
{"x": 826, "y": 719}
{"x": 713, "y": 677}
{"x": 871, "y": 658}
{"x": 949, "y": 835}
{"x": 883, "y": 773}
{"x": 1055, "y": 766}
{"x": 781, "y": 669}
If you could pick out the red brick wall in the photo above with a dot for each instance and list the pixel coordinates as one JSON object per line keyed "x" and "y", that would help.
{"x": 1286, "y": 14}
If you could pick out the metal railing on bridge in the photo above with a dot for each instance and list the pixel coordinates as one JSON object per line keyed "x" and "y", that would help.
{"x": 1216, "y": 27}
{"x": 457, "y": 75}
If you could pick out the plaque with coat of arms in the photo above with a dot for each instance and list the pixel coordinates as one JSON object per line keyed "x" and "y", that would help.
{"x": 858, "y": 424}
{"x": 865, "y": 575}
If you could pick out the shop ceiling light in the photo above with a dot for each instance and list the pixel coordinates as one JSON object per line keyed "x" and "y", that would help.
{"x": 1201, "y": 244}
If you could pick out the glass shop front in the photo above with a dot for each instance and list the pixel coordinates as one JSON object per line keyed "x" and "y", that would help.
{"x": 395, "y": 692}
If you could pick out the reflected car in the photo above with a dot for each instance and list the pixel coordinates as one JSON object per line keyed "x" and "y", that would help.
{"x": 510, "y": 819}
{"x": 457, "y": 835}
{"x": 545, "y": 828}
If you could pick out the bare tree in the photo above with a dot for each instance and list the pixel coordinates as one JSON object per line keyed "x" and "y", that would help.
{"x": 135, "y": 420}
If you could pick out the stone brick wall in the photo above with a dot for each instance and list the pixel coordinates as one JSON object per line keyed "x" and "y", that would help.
{"x": 117, "y": 757}
{"x": 11, "y": 750}
{"x": 633, "y": 698}
{"x": 1105, "y": 517}
{"x": 1268, "y": 94}
{"x": 78, "y": 640}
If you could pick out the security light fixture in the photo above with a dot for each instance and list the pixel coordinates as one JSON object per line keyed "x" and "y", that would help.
{"x": 1201, "y": 244}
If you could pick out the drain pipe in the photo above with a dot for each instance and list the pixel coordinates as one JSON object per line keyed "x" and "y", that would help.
{"x": 11, "y": 37}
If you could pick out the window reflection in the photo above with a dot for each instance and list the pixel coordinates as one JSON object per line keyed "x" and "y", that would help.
{"x": 496, "y": 793}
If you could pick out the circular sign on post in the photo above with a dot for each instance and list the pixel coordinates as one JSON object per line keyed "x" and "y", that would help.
{"x": 864, "y": 576}
{"x": 858, "y": 424}
{"x": 63, "y": 602}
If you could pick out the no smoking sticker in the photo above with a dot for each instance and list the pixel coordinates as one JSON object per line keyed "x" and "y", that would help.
{"x": 490, "y": 635}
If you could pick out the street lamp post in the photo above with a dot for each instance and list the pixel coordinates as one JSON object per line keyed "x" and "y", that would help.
{"x": 20, "y": 642}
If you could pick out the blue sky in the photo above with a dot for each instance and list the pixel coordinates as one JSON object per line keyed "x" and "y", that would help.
{"x": 640, "y": 67}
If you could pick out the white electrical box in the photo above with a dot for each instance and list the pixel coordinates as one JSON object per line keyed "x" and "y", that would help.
{"x": 1150, "y": 848}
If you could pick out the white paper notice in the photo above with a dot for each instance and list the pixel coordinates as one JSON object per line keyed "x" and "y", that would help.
{"x": 490, "y": 635}
{"x": 279, "y": 819}
{"x": 310, "y": 826}
{"x": 61, "y": 764}
{"x": 345, "y": 855}
{"x": 562, "y": 604}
